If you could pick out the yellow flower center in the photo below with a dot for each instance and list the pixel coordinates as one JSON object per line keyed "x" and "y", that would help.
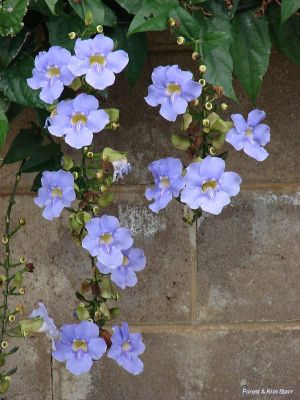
{"x": 56, "y": 192}
{"x": 97, "y": 59}
{"x": 53, "y": 72}
{"x": 165, "y": 182}
{"x": 212, "y": 184}
{"x": 125, "y": 260}
{"x": 106, "y": 238}
{"x": 79, "y": 345}
{"x": 126, "y": 346}
{"x": 249, "y": 132}
{"x": 79, "y": 118}
{"x": 174, "y": 88}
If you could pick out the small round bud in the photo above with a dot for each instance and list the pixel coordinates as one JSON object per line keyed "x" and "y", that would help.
{"x": 99, "y": 28}
{"x": 103, "y": 188}
{"x": 22, "y": 260}
{"x": 75, "y": 174}
{"x": 180, "y": 40}
{"x": 22, "y": 290}
{"x": 114, "y": 126}
{"x": 90, "y": 319}
{"x": 12, "y": 318}
{"x": 96, "y": 210}
{"x": 224, "y": 106}
{"x": 72, "y": 35}
{"x": 4, "y": 344}
{"x": 99, "y": 175}
{"x": 208, "y": 106}
{"x": 206, "y": 130}
{"x": 19, "y": 308}
{"x": 202, "y": 82}
{"x": 4, "y": 239}
{"x": 18, "y": 177}
{"x": 97, "y": 315}
{"x": 195, "y": 102}
{"x": 172, "y": 22}
{"x": 81, "y": 305}
{"x": 205, "y": 122}
{"x": 212, "y": 151}
{"x": 202, "y": 68}
{"x": 22, "y": 221}
{"x": 195, "y": 55}
{"x": 90, "y": 154}
{"x": 85, "y": 149}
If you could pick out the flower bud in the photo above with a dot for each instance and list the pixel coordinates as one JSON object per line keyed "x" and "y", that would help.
{"x": 99, "y": 175}
{"x": 96, "y": 210}
{"x": 12, "y": 318}
{"x": 22, "y": 221}
{"x": 97, "y": 315}
{"x": 90, "y": 154}
{"x": 202, "y": 82}
{"x": 22, "y": 260}
{"x": 103, "y": 189}
{"x": 22, "y": 291}
{"x": 82, "y": 312}
{"x": 4, "y": 344}
{"x": 206, "y": 130}
{"x": 212, "y": 151}
{"x": 205, "y": 122}
{"x": 4, "y": 239}
{"x": 33, "y": 325}
{"x": 5, "y": 384}
{"x": 99, "y": 28}
{"x": 195, "y": 55}
{"x": 208, "y": 106}
{"x": 75, "y": 175}
{"x": 72, "y": 35}
{"x": 2, "y": 279}
{"x": 195, "y": 102}
{"x": 114, "y": 126}
{"x": 224, "y": 106}
{"x": 202, "y": 68}
{"x": 67, "y": 163}
{"x": 180, "y": 40}
{"x": 172, "y": 22}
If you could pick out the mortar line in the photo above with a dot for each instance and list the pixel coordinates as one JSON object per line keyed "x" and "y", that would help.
{"x": 194, "y": 272}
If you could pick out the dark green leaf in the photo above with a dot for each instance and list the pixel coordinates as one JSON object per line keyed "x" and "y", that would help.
{"x": 131, "y": 6}
{"x": 36, "y": 184}
{"x": 4, "y": 103}
{"x": 11, "y": 16}
{"x": 91, "y": 11}
{"x": 136, "y": 47}
{"x": 44, "y": 158}
{"x": 153, "y": 16}
{"x": 216, "y": 39}
{"x": 109, "y": 17}
{"x": 3, "y": 128}
{"x": 23, "y": 146}
{"x": 250, "y": 50}
{"x": 288, "y": 7}
{"x": 60, "y": 27}
{"x": 14, "y": 86}
{"x": 51, "y": 4}
{"x": 10, "y": 47}
{"x": 188, "y": 25}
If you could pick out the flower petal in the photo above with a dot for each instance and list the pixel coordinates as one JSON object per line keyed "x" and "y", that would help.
{"x": 79, "y": 365}
{"x": 117, "y": 61}
{"x": 230, "y": 183}
{"x": 255, "y": 151}
{"x": 191, "y": 90}
{"x": 100, "y": 80}
{"x": 97, "y": 120}
{"x": 255, "y": 117}
{"x": 239, "y": 122}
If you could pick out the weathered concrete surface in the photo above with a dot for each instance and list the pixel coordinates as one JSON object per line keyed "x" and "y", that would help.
{"x": 193, "y": 365}
{"x": 248, "y": 259}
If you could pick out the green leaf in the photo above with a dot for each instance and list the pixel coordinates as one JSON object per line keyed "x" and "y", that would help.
{"x": 216, "y": 39}
{"x": 188, "y": 25}
{"x": 109, "y": 17}
{"x": 4, "y": 103}
{"x": 14, "y": 86}
{"x": 136, "y": 47}
{"x": 3, "y": 128}
{"x": 10, "y": 47}
{"x": 286, "y": 37}
{"x": 47, "y": 157}
{"x": 24, "y": 144}
{"x": 153, "y": 16}
{"x": 51, "y": 4}
{"x": 131, "y": 6}
{"x": 60, "y": 27}
{"x": 288, "y": 7}
{"x": 11, "y": 16}
{"x": 91, "y": 11}
{"x": 250, "y": 50}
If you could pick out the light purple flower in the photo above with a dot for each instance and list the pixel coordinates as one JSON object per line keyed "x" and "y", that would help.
{"x": 77, "y": 120}
{"x": 208, "y": 186}
{"x": 125, "y": 349}
{"x": 48, "y": 327}
{"x": 121, "y": 167}
{"x": 106, "y": 240}
{"x": 78, "y": 346}
{"x": 125, "y": 274}
{"x": 172, "y": 88}
{"x": 250, "y": 135}
{"x": 96, "y": 60}
{"x": 51, "y": 73}
{"x": 168, "y": 180}
{"x": 56, "y": 193}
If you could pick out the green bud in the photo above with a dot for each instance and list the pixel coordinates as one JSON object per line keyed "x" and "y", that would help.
{"x": 106, "y": 289}
{"x": 219, "y": 141}
{"x": 4, "y": 384}
{"x": 113, "y": 113}
{"x": 105, "y": 310}
{"x": 33, "y": 325}
{"x": 186, "y": 121}
{"x": 18, "y": 279}
{"x": 88, "y": 18}
{"x": 76, "y": 84}
{"x": 112, "y": 155}
{"x": 67, "y": 163}
{"x": 180, "y": 142}
{"x": 106, "y": 199}
{"x": 217, "y": 124}
{"x": 82, "y": 313}
{"x": 2, "y": 359}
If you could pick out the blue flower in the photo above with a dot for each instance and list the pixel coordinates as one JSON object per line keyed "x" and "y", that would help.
{"x": 121, "y": 167}
{"x": 168, "y": 180}
{"x": 56, "y": 193}
{"x": 78, "y": 346}
{"x": 125, "y": 349}
{"x": 106, "y": 240}
{"x": 48, "y": 327}
{"x": 172, "y": 88}
{"x": 51, "y": 73}
{"x": 96, "y": 60}
{"x": 125, "y": 274}
{"x": 250, "y": 135}
{"x": 77, "y": 120}
{"x": 208, "y": 186}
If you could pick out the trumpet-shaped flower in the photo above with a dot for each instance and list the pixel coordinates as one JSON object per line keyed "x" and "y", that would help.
{"x": 77, "y": 120}
{"x": 208, "y": 186}
{"x": 125, "y": 349}
{"x": 106, "y": 239}
{"x": 96, "y": 60}
{"x": 168, "y": 180}
{"x": 56, "y": 193}
{"x": 51, "y": 73}
{"x": 250, "y": 136}
{"x": 48, "y": 326}
{"x": 172, "y": 89}
{"x": 121, "y": 167}
{"x": 125, "y": 274}
{"x": 78, "y": 346}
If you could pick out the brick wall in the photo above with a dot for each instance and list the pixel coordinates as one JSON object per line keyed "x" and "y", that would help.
{"x": 218, "y": 302}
